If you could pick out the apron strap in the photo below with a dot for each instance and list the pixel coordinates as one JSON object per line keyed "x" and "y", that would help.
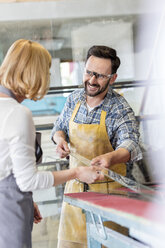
{"x": 75, "y": 111}
{"x": 100, "y": 182}
{"x": 102, "y": 118}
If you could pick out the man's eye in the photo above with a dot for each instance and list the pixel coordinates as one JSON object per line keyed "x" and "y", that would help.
{"x": 89, "y": 73}
{"x": 101, "y": 76}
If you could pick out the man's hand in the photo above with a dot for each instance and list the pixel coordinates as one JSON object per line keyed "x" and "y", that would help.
{"x": 115, "y": 157}
{"x": 62, "y": 149}
{"x": 103, "y": 161}
{"x": 37, "y": 215}
{"x": 62, "y": 146}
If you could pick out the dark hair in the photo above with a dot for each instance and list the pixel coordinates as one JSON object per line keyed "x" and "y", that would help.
{"x": 106, "y": 53}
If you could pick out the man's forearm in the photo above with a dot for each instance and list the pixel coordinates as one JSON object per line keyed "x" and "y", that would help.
{"x": 120, "y": 155}
{"x": 133, "y": 148}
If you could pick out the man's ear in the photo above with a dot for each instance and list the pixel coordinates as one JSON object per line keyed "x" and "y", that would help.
{"x": 112, "y": 79}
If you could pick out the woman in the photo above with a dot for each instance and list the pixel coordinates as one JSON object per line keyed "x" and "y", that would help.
{"x": 24, "y": 74}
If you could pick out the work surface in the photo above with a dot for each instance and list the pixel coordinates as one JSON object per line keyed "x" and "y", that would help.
{"x": 143, "y": 218}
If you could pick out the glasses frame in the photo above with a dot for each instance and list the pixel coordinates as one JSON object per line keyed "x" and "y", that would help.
{"x": 98, "y": 76}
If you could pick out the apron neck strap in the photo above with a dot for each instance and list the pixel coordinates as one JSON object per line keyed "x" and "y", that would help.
{"x": 102, "y": 118}
{"x": 75, "y": 111}
{"x": 7, "y": 92}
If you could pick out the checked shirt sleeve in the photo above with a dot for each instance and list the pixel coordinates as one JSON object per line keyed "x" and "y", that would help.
{"x": 127, "y": 133}
{"x": 62, "y": 122}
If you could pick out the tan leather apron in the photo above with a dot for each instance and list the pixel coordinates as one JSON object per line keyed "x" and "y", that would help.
{"x": 88, "y": 140}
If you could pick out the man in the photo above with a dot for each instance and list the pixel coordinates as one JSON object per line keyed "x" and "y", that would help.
{"x": 99, "y": 125}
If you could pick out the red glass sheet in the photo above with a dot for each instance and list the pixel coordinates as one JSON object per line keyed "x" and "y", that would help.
{"x": 144, "y": 209}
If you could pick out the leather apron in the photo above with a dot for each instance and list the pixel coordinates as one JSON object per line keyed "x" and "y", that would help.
{"x": 88, "y": 140}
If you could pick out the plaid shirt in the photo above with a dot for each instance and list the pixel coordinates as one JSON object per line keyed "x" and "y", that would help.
{"x": 122, "y": 127}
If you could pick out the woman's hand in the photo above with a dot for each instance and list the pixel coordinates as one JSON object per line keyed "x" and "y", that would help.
{"x": 89, "y": 174}
{"x": 37, "y": 215}
{"x": 83, "y": 173}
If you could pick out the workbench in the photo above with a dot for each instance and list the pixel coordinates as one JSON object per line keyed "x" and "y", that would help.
{"x": 142, "y": 218}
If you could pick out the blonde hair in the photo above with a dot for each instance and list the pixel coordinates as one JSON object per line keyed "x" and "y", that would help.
{"x": 25, "y": 69}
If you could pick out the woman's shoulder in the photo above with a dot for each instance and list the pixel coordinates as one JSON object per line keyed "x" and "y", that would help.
{"x": 19, "y": 115}
{"x": 22, "y": 110}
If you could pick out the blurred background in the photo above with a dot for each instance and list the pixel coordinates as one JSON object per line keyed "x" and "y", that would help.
{"x": 68, "y": 28}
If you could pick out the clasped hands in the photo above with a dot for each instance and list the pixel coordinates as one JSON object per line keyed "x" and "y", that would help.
{"x": 87, "y": 174}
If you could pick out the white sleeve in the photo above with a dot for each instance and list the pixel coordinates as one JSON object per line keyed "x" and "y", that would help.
{"x": 21, "y": 138}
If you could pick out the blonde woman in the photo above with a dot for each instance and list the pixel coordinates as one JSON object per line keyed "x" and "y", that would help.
{"x": 24, "y": 73}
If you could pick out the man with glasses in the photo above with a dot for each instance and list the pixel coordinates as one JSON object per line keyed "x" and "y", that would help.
{"x": 98, "y": 124}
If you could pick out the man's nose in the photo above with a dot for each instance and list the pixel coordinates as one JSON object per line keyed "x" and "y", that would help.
{"x": 93, "y": 79}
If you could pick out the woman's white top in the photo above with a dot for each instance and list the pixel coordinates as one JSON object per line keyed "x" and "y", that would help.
{"x": 17, "y": 142}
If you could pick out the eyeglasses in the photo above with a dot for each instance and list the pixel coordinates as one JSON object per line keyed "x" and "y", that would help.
{"x": 98, "y": 76}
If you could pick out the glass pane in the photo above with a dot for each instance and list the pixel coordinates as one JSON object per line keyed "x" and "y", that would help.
{"x": 49, "y": 105}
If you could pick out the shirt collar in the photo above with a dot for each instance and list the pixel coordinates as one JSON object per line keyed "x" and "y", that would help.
{"x": 7, "y": 92}
{"x": 108, "y": 96}
{"x": 83, "y": 96}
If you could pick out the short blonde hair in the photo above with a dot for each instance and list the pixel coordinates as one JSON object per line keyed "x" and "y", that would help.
{"x": 25, "y": 69}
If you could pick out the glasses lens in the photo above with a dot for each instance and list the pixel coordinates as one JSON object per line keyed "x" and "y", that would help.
{"x": 99, "y": 77}
{"x": 89, "y": 73}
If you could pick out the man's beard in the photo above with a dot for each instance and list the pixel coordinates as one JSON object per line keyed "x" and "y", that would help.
{"x": 100, "y": 90}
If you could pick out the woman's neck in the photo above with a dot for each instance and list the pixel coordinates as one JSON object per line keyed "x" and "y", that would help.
{"x": 18, "y": 98}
